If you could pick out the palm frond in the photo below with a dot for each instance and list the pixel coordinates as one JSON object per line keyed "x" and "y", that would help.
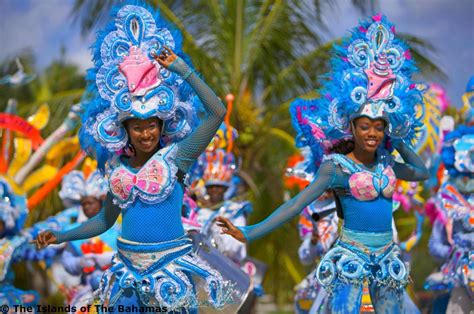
{"x": 421, "y": 50}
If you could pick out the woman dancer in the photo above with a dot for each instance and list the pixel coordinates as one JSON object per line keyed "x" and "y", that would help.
{"x": 367, "y": 100}
{"x": 141, "y": 122}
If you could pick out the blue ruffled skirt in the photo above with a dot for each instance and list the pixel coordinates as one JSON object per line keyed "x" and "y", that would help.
{"x": 166, "y": 275}
{"x": 363, "y": 256}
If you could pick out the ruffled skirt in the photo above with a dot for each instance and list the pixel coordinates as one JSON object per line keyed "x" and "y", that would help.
{"x": 165, "y": 274}
{"x": 360, "y": 257}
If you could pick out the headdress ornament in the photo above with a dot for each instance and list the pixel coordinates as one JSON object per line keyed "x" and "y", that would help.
{"x": 468, "y": 102}
{"x": 371, "y": 76}
{"x": 126, "y": 82}
{"x": 458, "y": 152}
{"x": 12, "y": 207}
{"x": 76, "y": 185}
{"x": 219, "y": 168}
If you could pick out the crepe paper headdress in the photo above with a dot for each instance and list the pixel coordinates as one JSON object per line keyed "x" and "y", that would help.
{"x": 31, "y": 163}
{"x": 13, "y": 210}
{"x": 296, "y": 174}
{"x": 219, "y": 168}
{"x": 77, "y": 185}
{"x": 370, "y": 77}
{"x": 126, "y": 82}
{"x": 430, "y": 112}
{"x": 226, "y": 134}
{"x": 458, "y": 152}
{"x": 217, "y": 165}
{"x": 468, "y": 102}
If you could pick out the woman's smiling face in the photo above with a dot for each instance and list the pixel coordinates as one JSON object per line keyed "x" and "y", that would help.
{"x": 144, "y": 134}
{"x": 368, "y": 133}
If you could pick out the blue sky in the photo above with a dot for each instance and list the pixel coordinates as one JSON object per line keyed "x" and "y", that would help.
{"x": 45, "y": 25}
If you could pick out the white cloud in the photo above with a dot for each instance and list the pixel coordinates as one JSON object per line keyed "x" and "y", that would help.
{"x": 41, "y": 25}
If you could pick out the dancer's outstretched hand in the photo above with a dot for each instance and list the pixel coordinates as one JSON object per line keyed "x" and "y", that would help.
{"x": 166, "y": 57}
{"x": 228, "y": 228}
{"x": 44, "y": 239}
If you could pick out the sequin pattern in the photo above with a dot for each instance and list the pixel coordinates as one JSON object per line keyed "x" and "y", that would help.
{"x": 152, "y": 183}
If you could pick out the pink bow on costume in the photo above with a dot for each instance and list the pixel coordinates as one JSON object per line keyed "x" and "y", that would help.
{"x": 151, "y": 179}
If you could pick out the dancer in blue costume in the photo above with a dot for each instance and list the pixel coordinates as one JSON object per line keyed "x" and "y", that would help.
{"x": 452, "y": 212}
{"x": 13, "y": 246}
{"x": 142, "y": 121}
{"x": 452, "y": 237}
{"x": 217, "y": 177}
{"x": 14, "y": 243}
{"x": 368, "y": 100}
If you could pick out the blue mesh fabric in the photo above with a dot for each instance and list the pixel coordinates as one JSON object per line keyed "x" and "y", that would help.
{"x": 154, "y": 222}
{"x": 371, "y": 216}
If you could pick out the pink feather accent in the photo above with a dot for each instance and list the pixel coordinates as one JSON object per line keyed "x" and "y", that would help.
{"x": 433, "y": 212}
{"x": 407, "y": 54}
{"x": 377, "y": 18}
{"x": 404, "y": 201}
{"x": 316, "y": 131}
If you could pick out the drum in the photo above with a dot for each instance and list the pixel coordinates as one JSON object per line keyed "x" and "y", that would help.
{"x": 227, "y": 268}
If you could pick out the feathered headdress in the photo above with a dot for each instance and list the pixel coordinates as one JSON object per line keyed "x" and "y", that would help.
{"x": 218, "y": 168}
{"x": 126, "y": 82}
{"x": 76, "y": 185}
{"x": 371, "y": 76}
{"x": 458, "y": 152}
{"x": 468, "y": 102}
{"x": 13, "y": 209}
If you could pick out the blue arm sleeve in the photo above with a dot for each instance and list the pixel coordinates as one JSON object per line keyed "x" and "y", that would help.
{"x": 98, "y": 224}
{"x": 193, "y": 145}
{"x": 413, "y": 169}
{"x": 438, "y": 243}
{"x": 323, "y": 180}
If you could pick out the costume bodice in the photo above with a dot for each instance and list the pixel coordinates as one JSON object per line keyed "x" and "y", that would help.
{"x": 152, "y": 183}
{"x": 366, "y": 198}
{"x": 149, "y": 197}
{"x": 365, "y": 184}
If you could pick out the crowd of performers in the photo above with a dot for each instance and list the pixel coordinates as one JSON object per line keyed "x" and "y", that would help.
{"x": 158, "y": 219}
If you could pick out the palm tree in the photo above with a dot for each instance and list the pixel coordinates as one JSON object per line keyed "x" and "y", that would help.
{"x": 265, "y": 53}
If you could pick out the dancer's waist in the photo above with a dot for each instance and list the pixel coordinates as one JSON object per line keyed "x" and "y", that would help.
{"x": 367, "y": 240}
{"x": 140, "y": 247}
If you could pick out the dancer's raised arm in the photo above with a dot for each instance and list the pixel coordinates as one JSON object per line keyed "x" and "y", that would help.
{"x": 325, "y": 178}
{"x": 414, "y": 168}
{"x": 192, "y": 146}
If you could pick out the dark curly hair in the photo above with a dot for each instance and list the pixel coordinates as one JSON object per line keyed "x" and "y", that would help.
{"x": 344, "y": 147}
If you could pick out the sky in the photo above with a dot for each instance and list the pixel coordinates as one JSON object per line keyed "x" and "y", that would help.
{"x": 46, "y": 25}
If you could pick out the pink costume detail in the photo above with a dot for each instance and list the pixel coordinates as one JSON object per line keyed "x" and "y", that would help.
{"x": 381, "y": 79}
{"x": 153, "y": 182}
{"x": 363, "y": 188}
{"x": 141, "y": 73}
